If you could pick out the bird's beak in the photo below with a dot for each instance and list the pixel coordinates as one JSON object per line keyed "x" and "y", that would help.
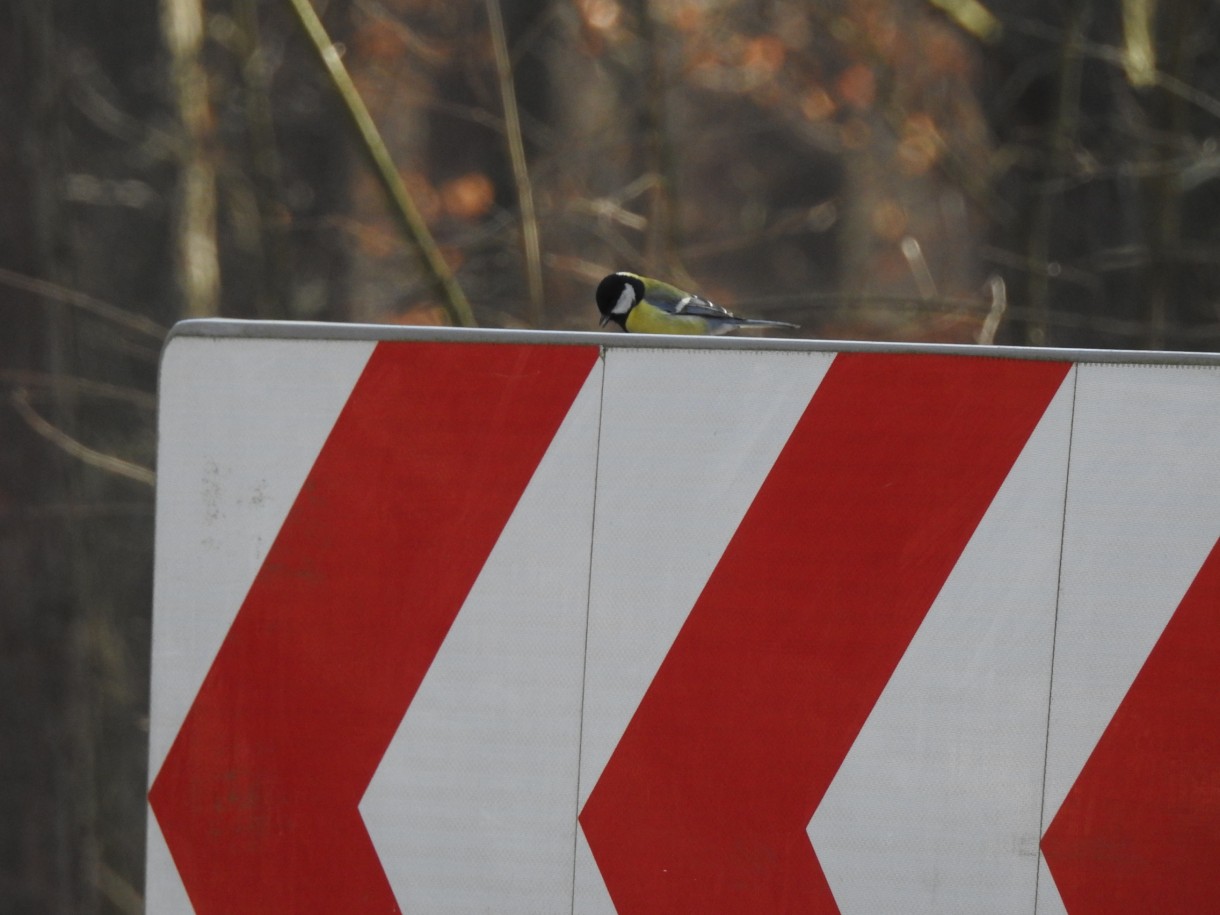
{"x": 604, "y": 321}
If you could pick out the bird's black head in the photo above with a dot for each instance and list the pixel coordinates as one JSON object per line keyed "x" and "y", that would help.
{"x": 617, "y": 294}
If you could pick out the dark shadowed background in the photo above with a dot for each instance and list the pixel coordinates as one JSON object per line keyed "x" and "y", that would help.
{"x": 1010, "y": 171}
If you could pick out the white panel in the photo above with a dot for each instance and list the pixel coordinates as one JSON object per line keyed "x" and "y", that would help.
{"x": 1049, "y": 900}
{"x": 1143, "y": 510}
{"x": 163, "y": 889}
{"x": 591, "y": 897}
{"x": 688, "y": 436}
{"x": 473, "y": 806}
{"x": 935, "y": 809}
{"x": 240, "y": 425}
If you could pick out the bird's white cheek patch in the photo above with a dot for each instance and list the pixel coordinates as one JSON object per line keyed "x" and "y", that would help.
{"x": 625, "y": 300}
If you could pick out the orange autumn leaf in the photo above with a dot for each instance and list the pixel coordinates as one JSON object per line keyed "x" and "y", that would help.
{"x": 817, "y": 105}
{"x": 857, "y": 86}
{"x": 468, "y": 197}
{"x": 764, "y": 53}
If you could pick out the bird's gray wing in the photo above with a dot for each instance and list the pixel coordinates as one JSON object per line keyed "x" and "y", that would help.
{"x": 677, "y": 302}
{"x": 700, "y": 307}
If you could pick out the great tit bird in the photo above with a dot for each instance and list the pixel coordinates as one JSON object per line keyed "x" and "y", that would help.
{"x": 641, "y": 305}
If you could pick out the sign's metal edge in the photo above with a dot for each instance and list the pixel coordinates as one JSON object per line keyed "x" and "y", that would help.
{"x": 223, "y": 328}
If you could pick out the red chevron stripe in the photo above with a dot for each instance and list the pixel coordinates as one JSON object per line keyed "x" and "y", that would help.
{"x": 1138, "y": 831}
{"x": 258, "y": 796}
{"x": 704, "y": 804}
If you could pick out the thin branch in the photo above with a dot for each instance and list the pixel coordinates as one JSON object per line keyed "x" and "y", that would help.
{"x": 472, "y": 113}
{"x": 516, "y": 151}
{"x": 1056, "y": 270}
{"x": 795, "y": 303}
{"x": 1139, "y": 41}
{"x": 107, "y": 462}
{"x": 118, "y": 890}
{"x": 87, "y": 303}
{"x": 941, "y": 304}
{"x": 416, "y": 46}
{"x": 664, "y": 241}
{"x": 1118, "y": 58}
{"x": 971, "y": 16}
{"x": 578, "y": 267}
{"x": 383, "y": 166}
{"x": 920, "y": 271}
{"x": 83, "y": 386}
{"x": 814, "y": 220}
{"x": 606, "y": 209}
{"x": 75, "y": 511}
{"x": 1164, "y": 230}
{"x": 999, "y": 304}
{"x": 1067, "y": 115}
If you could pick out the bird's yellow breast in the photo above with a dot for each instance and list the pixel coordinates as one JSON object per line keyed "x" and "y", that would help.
{"x": 648, "y": 319}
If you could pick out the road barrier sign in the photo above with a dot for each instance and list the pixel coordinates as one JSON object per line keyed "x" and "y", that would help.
{"x": 462, "y": 621}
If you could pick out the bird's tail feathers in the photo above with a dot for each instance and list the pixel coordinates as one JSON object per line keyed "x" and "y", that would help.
{"x": 761, "y": 322}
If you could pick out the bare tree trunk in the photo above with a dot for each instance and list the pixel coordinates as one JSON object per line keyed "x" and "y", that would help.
{"x": 1165, "y": 190}
{"x": 1050, "y": 194}
{"x": 195, "y": 226}
{"x": 664, "y": 225}
{"x": 46, "y": 785}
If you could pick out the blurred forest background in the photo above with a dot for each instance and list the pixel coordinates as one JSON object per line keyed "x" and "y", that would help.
{"x": 1009, "y": 171}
